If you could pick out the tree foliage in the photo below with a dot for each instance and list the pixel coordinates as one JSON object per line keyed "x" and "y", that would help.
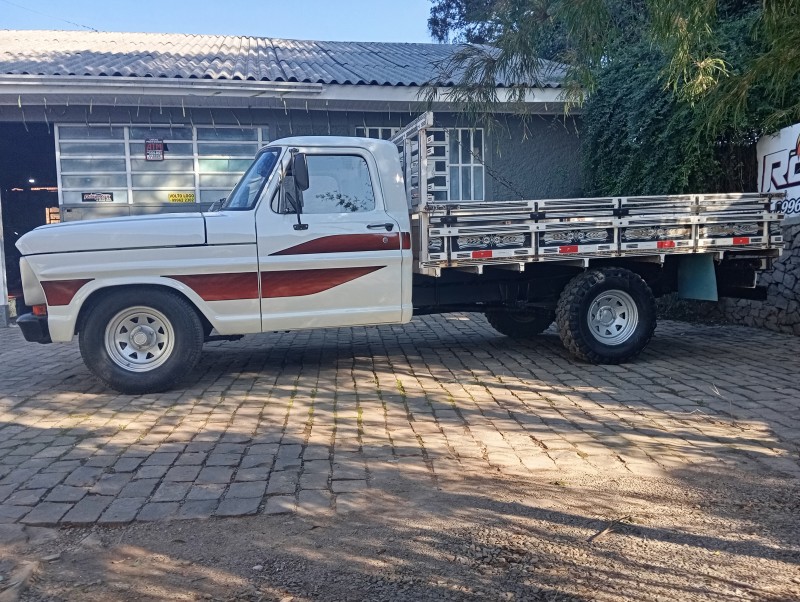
{"x": 674, "y": 93}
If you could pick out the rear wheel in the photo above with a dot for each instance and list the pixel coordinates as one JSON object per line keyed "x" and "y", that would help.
{"x": 141, "y": 341}
{"x": 606, "y": 316}
{"x": 520, "y": 325}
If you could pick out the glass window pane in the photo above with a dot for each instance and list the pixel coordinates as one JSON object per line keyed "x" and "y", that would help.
{"x": 238, "y": 166}
{"x": 93, "y": 149}
{"x": 453, "y": 135}
{"x": 226, "y": 134}
{"x": 477, "y": 145}
{"x": 265, "y": 135}
{"x": 455, "y": 195}
{"x": 220, "y": 181}
{"x": 92, "y": 165}
{"x": 163, "y": 181}
{"x": 73, "y": 198}
{"x": 466, "y": 184}
{"x": 466, "y": 145}
{"x": 167, "y": 165}
{"x": 172, "y": 149}
{"x": 165, "y": 133}
{"x": 338, "y": 184}
{"x": 94, "y": 182}
{"x": 72, "y": 132}
{"x": 208, "y": 149}
{"x": 477, "y": 183}
{"x": 361, "y": 132}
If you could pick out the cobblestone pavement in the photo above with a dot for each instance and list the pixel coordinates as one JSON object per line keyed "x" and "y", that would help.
{"x": 311, "y": 422}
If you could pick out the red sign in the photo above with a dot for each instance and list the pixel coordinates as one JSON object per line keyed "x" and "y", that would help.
{"x": 154, "y": 149}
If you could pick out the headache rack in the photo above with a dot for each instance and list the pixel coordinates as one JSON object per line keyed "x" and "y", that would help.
{"x": 511, "y": 234}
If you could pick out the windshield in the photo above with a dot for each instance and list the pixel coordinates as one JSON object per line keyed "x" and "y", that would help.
{"x": 246, "y": 193}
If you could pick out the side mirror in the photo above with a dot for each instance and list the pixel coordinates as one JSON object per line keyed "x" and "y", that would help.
{"x": 300, "y": 171}
{"x": 217, "y": 205}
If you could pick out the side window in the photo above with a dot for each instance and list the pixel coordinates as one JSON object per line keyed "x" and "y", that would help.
{"x": 338, "y": 184}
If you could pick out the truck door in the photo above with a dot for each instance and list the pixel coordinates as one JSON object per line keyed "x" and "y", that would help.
{"x": 342, "y": 266}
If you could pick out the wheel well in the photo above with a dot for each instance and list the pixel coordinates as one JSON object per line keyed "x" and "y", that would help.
{"x": 96, "y": 296}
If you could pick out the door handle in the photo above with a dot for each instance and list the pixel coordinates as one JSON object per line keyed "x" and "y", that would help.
{"x": 387, "y": 225}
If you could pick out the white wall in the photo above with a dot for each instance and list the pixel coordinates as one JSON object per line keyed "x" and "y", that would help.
{"x": 779, "y": 168}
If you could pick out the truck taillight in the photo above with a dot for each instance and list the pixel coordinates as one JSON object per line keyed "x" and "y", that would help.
{"x": 39, "y": 310}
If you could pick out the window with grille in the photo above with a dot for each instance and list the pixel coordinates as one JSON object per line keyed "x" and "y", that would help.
{"x": 465, "y": 163}
{"x": 108, "y": 164}
{"x": 377, "y": 133}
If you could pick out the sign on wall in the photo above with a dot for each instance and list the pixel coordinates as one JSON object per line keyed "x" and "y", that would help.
{"x": 154, "y": 149}
{"x": 180, "y": 197}
{"x": 779, "y": 168}
{"x": 97, "y": 197}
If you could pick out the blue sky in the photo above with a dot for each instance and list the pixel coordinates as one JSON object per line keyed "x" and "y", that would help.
{"x": 350, "y": 20}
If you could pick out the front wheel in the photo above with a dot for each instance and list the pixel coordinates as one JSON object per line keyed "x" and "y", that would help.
{"x": 606, "y": 316}
{"x": 141, "y": 341}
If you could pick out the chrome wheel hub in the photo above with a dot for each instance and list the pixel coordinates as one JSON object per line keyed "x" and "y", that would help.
{"x": 139, "y": 339}
{"x": 613, "y": 317}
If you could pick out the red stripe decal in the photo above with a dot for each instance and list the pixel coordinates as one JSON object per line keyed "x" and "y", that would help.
{"x": 61, "y": 292}
{"x": 741, "y": 240}
{"x": 346, "y": 243}
{"x": 222, "y": 287}
{"x": 568, "y": 249}
{"x": 298, "y": 283}
{"x": 481, "y": 254}
{"x": 406, "y": 240}
{"x": 666, "y": 244}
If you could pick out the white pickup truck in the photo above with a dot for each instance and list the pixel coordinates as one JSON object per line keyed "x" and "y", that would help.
{"x": 330, "y": 232}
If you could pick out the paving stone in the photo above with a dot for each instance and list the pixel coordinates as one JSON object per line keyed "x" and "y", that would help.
{"x": 258, "y": 461}
{"x": 314, "y": 480}
{"x": 206, "y": 491}
{"x": 246, "y": 490}
{"x": 138, "y": 488}
{"x": 282, "y": 482}
{"x": 310, "y": 502}
{"x": 182, "y": 473}
{"x": 43, "y": 480}
{"x": 6, "y": 490}
{"x": 157, "y": 511}
{"x": 46, "y": 514}
{"x": 191, "y": 459}
{"x": 111, "y": 484}
{"x": 280, "y": 504}
{"x": 83, "y": 476}
{"x": 236, "y": 449}
{"x": 214, "y": 474}
{"x": 238, "y": 506}
{"x": 26, "y": 497}
{"x": 127, "y": 464}
{"x": 252, "y": 474}
{"x": 287, "y": 463}
{"x": 122, "y": 511}
{"x": 197, "y": 509}
{"x": 88, "y": 510}
{"x": 151, "y": 472}
{"x": 162, "y": 459}
{"x": 10, "y": 514}
{"x": 347, "y": 503}
{"x": 171, "y": 491}
{"x": 65, "y": 493}
{"x": 223, "y": 459}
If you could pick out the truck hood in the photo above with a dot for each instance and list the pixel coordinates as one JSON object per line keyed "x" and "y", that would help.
{"x": 138, "y": 232}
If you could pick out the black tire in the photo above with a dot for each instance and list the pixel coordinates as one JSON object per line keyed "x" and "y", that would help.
{"x": 606, "y": 316}
{"x": 167, "y": 327}
{"x": 519, "y": 325}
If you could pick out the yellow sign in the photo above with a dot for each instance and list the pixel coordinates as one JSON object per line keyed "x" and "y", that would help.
{"x": 180, "y": 197}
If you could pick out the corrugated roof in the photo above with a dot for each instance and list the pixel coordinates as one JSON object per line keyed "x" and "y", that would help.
{"x": 80, "y": 53}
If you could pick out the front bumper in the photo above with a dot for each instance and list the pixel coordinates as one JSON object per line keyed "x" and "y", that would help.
{"x": 34, "y": 328}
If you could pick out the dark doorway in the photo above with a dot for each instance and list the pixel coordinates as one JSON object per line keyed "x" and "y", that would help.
{"x": 28, "y": 187}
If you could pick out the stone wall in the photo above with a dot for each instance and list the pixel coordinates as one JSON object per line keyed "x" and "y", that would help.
{"x": 781, "y": 310}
